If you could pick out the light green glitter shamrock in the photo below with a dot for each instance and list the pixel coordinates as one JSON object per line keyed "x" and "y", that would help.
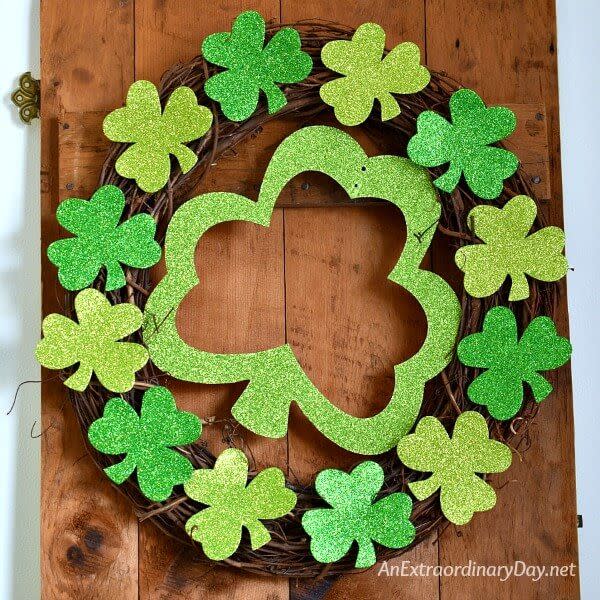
{"x": 368, "y": 76}
{"x": 453, "y": 463}
{"x": 355, "y": 516}
{"x": 464, "y": 144}
{"x": 508, "y": 250}
{"x": 156, "y": 134}
{"x": 233, "y": 505}
{"x": 146, "y": 440}
{"x": 510, "y": 361}
{"x": 252, "y": 66}
{"x": 276, "y": 377}
{"x": 100, "y": 241}
{"x": 93, "y": 343}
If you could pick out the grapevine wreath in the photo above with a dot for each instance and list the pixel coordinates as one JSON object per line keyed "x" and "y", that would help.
{"x": 474, "y": 384}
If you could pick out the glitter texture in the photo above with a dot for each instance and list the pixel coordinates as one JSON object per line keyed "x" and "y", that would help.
{"x": 510, "y": 362}
{"x": 465, "y": 144}
{"x": 233, "y": 505}
{"x": 508, "y": 250}
{"x": 155, "y": 134}
{"x": 454, "y": 464}
{"x": 368, "y": 76}
{"x": 93, "y": 343}
{"x": 276, "y": 377}
{"x": 355, "y": 516}
{"x": 145, "y": 441}
{"x": 100, "y": 241}
{"x": 253, "y": 67}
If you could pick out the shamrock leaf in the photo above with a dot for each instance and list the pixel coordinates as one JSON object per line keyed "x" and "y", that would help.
{"x": 146, "y": 441}
{"x": 355, "y": 516}
{"x": 368, "y": 76}
{"x": 93, "y": 343}
{"x": 155, "y": 134}
{"x": 252, "y": 66}
{"x": 233, "y": 505}
{"x": 454, "y": 464}
{"x": 100, "y": 241}
{"x": 465, "y": 144}
{"x": 508, "y": 250}
{"x": 510, "y": 361}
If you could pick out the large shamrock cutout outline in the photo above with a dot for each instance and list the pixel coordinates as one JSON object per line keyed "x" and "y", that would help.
{"x": 276, "y": 378}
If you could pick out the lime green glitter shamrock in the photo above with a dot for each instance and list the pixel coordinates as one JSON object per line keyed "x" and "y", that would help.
{"x": 276, "y": 377}
{"x": 510, "y": 361}
{"x": 453, "y": 463}
{"x": 464, "y": 144}
{"x": 355, "y": 516}
{"x": 508, "y": 250}
{"x": 368, "y": 76}
{"x": 252, "y": 66}
{"x": 100, "y": 241}
{"x": 233, "y": 505}
{"x": 146, "y": 440}
{"x": 155, "y": 134}
{"x": 93, "y": 343}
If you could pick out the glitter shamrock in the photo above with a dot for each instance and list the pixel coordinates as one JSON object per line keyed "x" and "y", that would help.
{"x": 146, "y": 441}
{"x": 510, "y": 361}
{"x": 453, "y": 464}
{"x": 465, "y": 144}
{"x": 100, "y": 241}
{"x": 508, "y": 250}
{"x": 233, "y": 505}
{"x": 252, "y": 66}
{"x": 93, "y": 343}
{"x": 155, "y": 134}
{"x": 355, "y": 517}
{"x": 368, "y": 76}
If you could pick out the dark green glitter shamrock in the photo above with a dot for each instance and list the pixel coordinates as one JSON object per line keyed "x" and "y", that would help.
{"x": 252, "y": 66}
{"x": 146, "y": 441}
{"x": 355, "y": 516}
{"x": 464, "y": 144}
{"x": 510, "y": 361}
{"x": 100, "y": 241}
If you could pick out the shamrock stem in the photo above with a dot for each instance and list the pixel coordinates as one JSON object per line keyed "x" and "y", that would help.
{"x": 259, "y": 535}
{"x": 185, "y": 156}
{"x": 275, "y": 98}
{"x": 389, "y": 106}
{"x": 121, "y": 471}
{"x": 519, "y": 289}
{"x": 80, "y": 379}
{"x": 540, "y": 386}
{"x": 366, "y": 554}
{"x": 115, "y": 278}
{"x": 449, "y": 180}
{"x": 424, "y": 489}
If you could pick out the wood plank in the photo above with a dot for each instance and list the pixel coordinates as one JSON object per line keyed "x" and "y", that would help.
{"x": 88, "y": 532}
{"x": 509, "y": 55}
{"x": 239, "y": 307}
{"x": 347, "y": 324}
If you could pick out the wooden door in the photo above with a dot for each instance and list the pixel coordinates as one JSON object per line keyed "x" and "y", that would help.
{"x": 315, "y": 278}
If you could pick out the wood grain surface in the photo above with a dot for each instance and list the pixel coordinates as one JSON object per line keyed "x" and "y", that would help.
{"x": 316, "y": 279}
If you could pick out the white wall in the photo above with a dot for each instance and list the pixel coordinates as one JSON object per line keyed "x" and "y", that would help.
{"x": 579, "y": 55}
{"x": 579, "y": 82}
{"x": 20, "y": 295}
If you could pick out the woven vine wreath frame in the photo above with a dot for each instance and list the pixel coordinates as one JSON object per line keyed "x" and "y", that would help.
{"x": 445, "y": 396}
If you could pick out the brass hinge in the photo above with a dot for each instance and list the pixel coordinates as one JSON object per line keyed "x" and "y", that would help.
{"x": 27, "y": 98}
